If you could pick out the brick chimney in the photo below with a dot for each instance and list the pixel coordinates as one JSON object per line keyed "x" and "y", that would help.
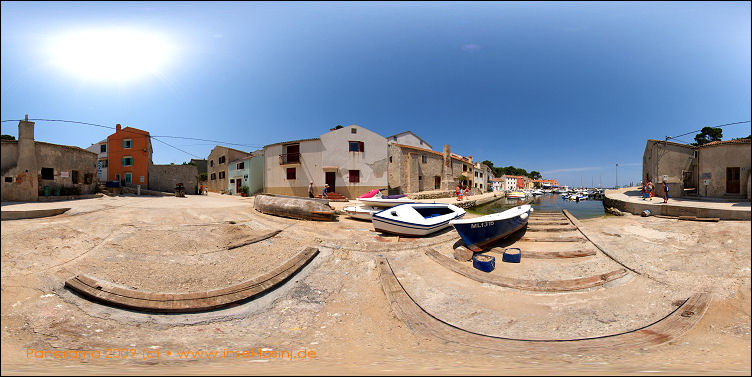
{"x": 117, "y": 127}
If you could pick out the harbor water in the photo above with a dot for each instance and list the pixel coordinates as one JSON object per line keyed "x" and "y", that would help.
{"x": 546, "y": 203}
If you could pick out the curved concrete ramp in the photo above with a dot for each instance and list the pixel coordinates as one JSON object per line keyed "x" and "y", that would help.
{"x": 522, "y": 284}
{"x": 31, "y": 214}
{"x": 110, "y": 293}
{"x": 672, "y": 326}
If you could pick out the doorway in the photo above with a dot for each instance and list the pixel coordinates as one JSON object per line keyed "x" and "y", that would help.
{"x": 330, "y": 179}
{"x": 238, "y": 184}
{"x": 733, "y": 181}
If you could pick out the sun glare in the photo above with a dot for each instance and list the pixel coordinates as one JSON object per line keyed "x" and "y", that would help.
{"x": 111, "y": 55}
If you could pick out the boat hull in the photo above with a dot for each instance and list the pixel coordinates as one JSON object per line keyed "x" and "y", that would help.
{"x": 359, "y": 213}
{"x": 294, "y": 207}
{"x": 379, "y": 202}
{"x": 401, "y": 223}
{"x": 485, "y": 231}
{"x": 408, "y": 229}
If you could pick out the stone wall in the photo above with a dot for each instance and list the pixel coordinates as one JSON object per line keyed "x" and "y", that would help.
{"x": 165, "y": 177}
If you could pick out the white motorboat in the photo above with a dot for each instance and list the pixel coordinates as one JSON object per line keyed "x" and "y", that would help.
{"x": 385, "y": 202}
{"x": 361, "y": 212}
{"x": 416, "y": 219}
{"x": 516, "y": 195}
{"x": 537, "y": 192}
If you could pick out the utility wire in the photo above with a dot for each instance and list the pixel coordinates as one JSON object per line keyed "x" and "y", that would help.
{"x": 152, "y": 136}
{"x": 722, "y": 125}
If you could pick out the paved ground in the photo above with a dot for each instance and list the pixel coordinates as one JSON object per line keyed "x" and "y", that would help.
{"x": 336, "y": 307}
{"x": 633, "y": 195}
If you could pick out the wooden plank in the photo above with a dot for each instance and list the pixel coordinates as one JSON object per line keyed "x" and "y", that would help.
{"x": 542, "y": 254}
{"x": 525, "y": 284}
{"x": 254, "y": 240}
{"x": 419, "y": 320}
{"x": 188, "y": 302}
{"x": 551, "y": 239}
{"x": 539, "y": 228}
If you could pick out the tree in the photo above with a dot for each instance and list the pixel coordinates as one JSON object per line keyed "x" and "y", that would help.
{"x": 488, "y": 163}
{"x": 338, "y": 127}
{"x": 708, "y": 134}
{"x": 737, "y": 138}
{"x": 189, "y": 163}
{"x": 7, "y": 137}
{"x": 462, "y": 180}
{"x": 535, "y": 175}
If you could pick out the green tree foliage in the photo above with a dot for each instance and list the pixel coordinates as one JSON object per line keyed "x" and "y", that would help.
{"x": 338, "y": 127}
{"x": 189, "y": 163}
{"x": 738, "y": 138}
{"x": 7, "y": 137}
{"x": 708, "y": 134}
{"x": 511, "y": 170}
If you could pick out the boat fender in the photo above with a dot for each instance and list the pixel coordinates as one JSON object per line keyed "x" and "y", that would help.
{"x": 523, "y": 216}
{"x": 511, "y": 255}
{"x": 485, "y": 263}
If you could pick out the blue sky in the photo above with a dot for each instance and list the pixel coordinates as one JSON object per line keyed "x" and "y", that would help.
{"x": 567, "y": 89}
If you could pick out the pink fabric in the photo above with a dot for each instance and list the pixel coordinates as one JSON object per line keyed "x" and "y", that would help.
{"x": 369, "y": 194}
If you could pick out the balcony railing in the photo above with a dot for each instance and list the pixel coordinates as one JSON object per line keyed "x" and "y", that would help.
{"x": 289, "y": 158}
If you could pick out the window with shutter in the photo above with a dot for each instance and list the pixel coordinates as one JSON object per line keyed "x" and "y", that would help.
{"x": 354, "y": 176}
{"x": 291, "y": 173}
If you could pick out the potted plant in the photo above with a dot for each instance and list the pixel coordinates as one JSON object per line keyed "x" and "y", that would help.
{"x": 244, "y": 190}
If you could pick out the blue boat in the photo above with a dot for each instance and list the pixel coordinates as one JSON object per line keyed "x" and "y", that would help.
{"x": 482, "y": 231}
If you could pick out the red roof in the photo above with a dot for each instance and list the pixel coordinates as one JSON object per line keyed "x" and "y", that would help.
{"x": 719, "y": 142}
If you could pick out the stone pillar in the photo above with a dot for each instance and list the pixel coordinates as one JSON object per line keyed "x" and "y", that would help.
{"x": 447, "y": 181}
{"x": 26, "y": 181}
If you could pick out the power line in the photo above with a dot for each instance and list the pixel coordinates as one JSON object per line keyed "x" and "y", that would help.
{"x": 152, "y": 136}
{"x": 690, "y": 132}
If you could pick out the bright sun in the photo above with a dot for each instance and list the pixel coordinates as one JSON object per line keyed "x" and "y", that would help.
{"x": 111, "y": 55}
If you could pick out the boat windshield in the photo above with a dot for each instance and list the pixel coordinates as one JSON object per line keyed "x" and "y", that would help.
{"x": 429, "y": 212}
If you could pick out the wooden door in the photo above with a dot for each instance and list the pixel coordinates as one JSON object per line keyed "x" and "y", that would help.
{"x": 732, "y": 180}
{"x": 238, "y": 184}
{"x": 330, "y": 179}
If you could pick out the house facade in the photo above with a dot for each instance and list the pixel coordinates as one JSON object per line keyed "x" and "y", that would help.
{"x": 247, "y": 171}
{"x": 217, "y": 169}
{"x": 497, "y": 184}
{"x": 129, "y": 154}
{"x": 409, "y": 138}
{"x": 352, "y": 160}
{"x": 31, "y": 169}
{"x": 100, "y": 149}
{"x": 715, "y": 169}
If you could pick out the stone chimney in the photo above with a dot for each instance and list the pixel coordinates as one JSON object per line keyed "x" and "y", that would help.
{"x": 447, "y": 181}
{"x": 117, "y": 127}
{"x": 26, "y": 170}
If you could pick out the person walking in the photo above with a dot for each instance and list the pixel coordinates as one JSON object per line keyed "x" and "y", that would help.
{"x": 323, "y": 193}
{"x": 650, "y": 190}
{"x": 665, "y": 192}
{"x": 467, "y": 192}
{"x": 310, "y": 190}
{"x": 458, "y": 192}
{"x": 644, "y": 191}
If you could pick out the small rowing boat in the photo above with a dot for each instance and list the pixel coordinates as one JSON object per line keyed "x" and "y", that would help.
{"x": 294, "y": 206}
{"x": 361, "y": 212}
{"x": 416, "y": 219}
{"x": 482, "y": 231}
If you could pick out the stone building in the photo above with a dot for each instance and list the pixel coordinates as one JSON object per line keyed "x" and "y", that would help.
{"x": 166, "y": 177}
{"x": 715, "y": 169}
{"x": 219, "y": 157}
{"x": 352, "y": 160}
{"x": 28, "y": 166}
{"x": 414, "y": 169}
{"x": 409, "y": 138}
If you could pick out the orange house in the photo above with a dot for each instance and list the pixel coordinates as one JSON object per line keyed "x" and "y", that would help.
{"x": 129, "y": 156}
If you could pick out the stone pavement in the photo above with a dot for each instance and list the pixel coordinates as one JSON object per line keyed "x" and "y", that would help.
{"x": 630, "y": 200}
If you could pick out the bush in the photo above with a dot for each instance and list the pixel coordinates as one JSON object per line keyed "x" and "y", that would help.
{"x": 244, "y": 190}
